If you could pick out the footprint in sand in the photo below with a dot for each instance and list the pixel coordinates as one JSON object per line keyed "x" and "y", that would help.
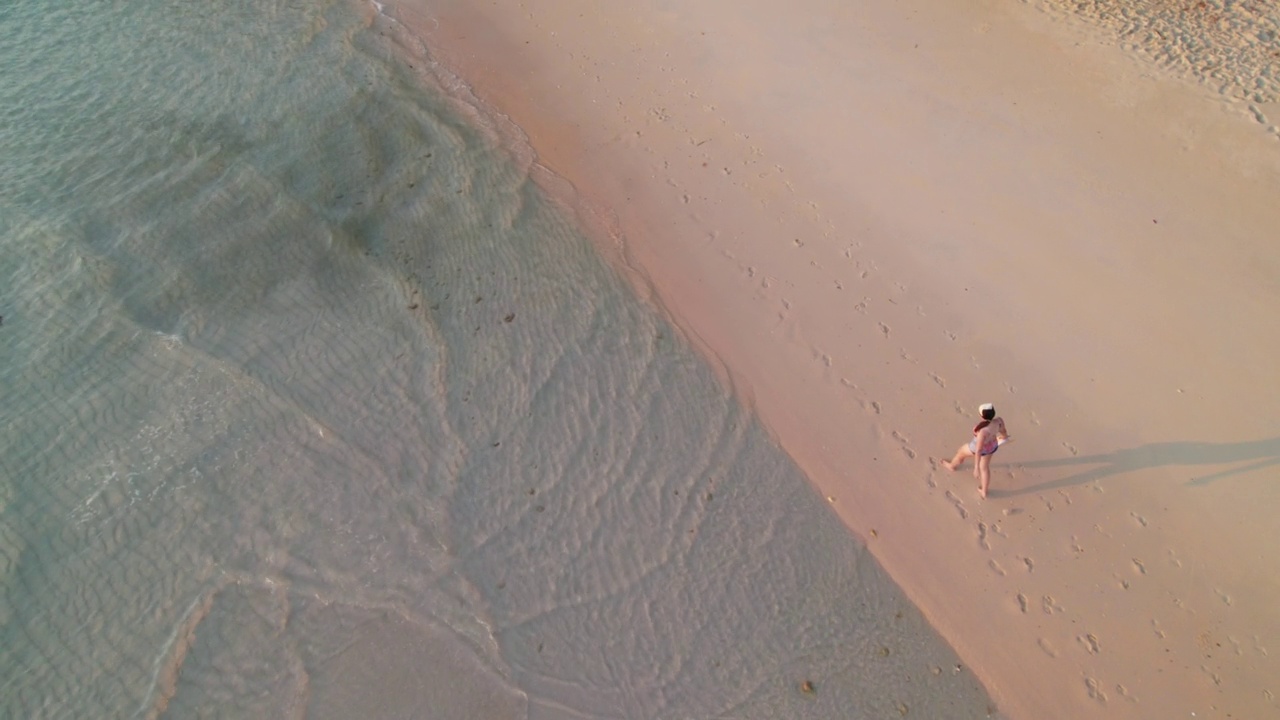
{"x": 1046, "y": 647}
{"x": 941, "y": 383}
{"x": 902, "y": 441}
{"x": 982, "y": 536}
{"x": 1070, "y": 448}
{"x": 1095, "y": 690}
{"x": 995, "y": 567}
{"x": 1139, "y": 567}
{"x": 964, "y": 514}
{"x": 1022, "y": 603}
{"x": 1049, "y": 605}
{"x": 1235, "y": 646}
{"x": 1138, "y": 519}
{"x": 884, "y": 329}
{"x": 1089, "y": 642}
{"x": 1029, "y": 564}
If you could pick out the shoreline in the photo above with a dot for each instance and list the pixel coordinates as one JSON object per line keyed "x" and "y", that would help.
{"x": 842, "y": 283}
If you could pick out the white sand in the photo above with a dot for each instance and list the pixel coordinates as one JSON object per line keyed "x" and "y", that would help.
{"x": 873, "y": 219}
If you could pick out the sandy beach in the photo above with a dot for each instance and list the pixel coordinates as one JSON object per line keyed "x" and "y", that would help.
{"x": 872, "y": 218}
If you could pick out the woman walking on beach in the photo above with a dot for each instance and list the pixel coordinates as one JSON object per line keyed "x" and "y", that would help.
{"x": 988, "y": 435}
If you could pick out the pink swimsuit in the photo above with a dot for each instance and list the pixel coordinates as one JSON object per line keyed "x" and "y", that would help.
{"x": 989, "y": 448}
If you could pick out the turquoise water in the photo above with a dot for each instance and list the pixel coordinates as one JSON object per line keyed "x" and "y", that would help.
{"x": 313, "y": 406}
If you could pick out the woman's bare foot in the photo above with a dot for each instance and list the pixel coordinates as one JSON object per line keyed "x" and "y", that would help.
{"x": 947, "y": 464}
{"x": 983, "y": 492}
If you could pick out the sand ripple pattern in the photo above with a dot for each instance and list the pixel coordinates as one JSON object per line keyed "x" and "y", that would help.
{"x": 314, "y": 406}
{"x": 1232, "y": 47}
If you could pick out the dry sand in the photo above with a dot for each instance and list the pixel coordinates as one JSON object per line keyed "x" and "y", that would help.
{"x": 874, "y": 217}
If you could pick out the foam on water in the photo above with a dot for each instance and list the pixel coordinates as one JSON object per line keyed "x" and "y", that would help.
{"x": 314, "y": 404}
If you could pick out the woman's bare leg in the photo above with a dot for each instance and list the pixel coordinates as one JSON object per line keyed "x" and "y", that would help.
{"x": 983, "y": 467}
{"x": 955, "y": 462}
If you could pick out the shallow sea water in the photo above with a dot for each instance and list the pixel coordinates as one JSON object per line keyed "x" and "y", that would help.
{"x": 315, "y": 407}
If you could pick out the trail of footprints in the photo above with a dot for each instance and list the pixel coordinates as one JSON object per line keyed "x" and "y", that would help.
{"x": 1087, "y": 642}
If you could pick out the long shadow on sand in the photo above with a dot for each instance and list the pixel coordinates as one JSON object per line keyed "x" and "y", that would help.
{"x": 1254, "y": 454}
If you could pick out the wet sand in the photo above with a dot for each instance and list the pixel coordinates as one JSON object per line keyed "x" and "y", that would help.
{"x": 871, "y": 219}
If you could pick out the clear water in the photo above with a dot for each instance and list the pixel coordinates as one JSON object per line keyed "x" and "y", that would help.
{"x": 314, "y": 407}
